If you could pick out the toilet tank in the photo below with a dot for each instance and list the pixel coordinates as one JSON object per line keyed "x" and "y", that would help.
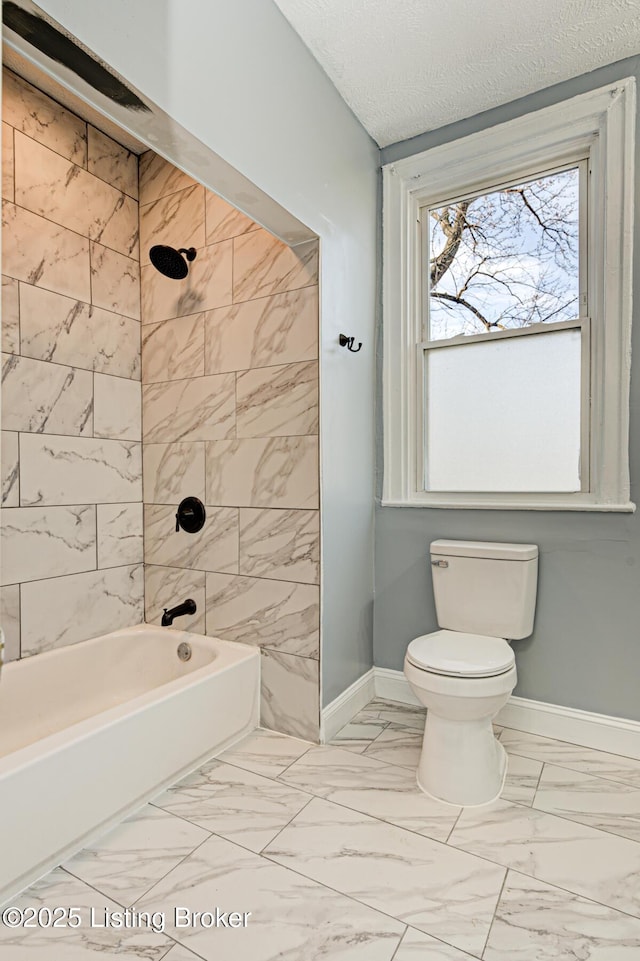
{"x": 485, "y": 588}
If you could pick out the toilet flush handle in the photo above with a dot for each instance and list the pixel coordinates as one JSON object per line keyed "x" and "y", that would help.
{"x": 439, "y": 563}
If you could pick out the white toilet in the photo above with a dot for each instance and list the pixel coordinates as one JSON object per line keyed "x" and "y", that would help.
{"x": 464, "y": 673}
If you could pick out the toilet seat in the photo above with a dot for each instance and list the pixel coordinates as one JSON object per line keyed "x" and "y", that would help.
{"x": 454, "y": 654}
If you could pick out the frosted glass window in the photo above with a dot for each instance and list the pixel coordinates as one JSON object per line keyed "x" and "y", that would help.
{"x": 505, "y": 415}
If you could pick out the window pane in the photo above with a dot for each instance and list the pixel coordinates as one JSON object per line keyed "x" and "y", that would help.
{"x": 505, "y": 259}
{"x": 504, "y": 415}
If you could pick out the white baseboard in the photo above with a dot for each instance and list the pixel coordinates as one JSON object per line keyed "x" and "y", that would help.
{"x": 613, "y": 734}
{"x": 346, "y": 705}
{"x": 617, "y": 735}
{"x": 393, "y": 686}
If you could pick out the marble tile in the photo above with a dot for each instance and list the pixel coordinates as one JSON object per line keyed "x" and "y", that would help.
{"x": 265, "y": 752}
{"x": 416, "y": 946}
{"x": 200, "y": 409}
{"x": 119, "y": 534}
{"x": 393, "y": 712}
{"x": 223, "y": 220}
{"x": 208, "y": 285}
{"x": 214, "y": 548}
{"x": 264, "y": 265}
{"x": 78, "y": 334}
{"x": 291, "y": 917}
{"x": 115, "y": 282}
{"x": 372, "y": 787}
{"x": 263, "y": 472}
{"x": 522, "y": 779}
{"x": 65, "y": 610}
{"x": 176, "y": 220}
{"x": 117, "y": 408}
{"x": 290, "y": 694}
{"x": 10, "y": 458}
{"x": 275, "y": 614}
{"x": 172, "y": 472}
{"x": 584, "y": 759}
{"x": 282, "y": 329}
{"x": 112, "y": 163}
{"x": 67, "y": 194}
{"x": 358, "y": 735}
{"x": 86, "y": 942}
{"x": 280, "y": 544}
{"x": 45, "y": 398}
{"x": 580, "y": 859}
{"x": 277, "y": 401}
{"x": 79, "y": 470}
{"x": 45, "y": 254}
{"x": 127, "y": 861}
{"x": 235, "y": 804}
{"x": 537, "y": 922}
{"x": 168, "y": 586}
{"x": 397, "y": 746}
{"x": 606, "y": 805}
{"x": 178, "y": 953}
{"x": 39, "y": 542}
{"x": 173, "y": 349}
{"x": 159, "y": 178}
{"x": 446, "y": 893}
{"x": 10, "y": 620}
{"x": 10, "y": 316}
{"x": 7, "y": 163}
{"x": 41, "y": 118}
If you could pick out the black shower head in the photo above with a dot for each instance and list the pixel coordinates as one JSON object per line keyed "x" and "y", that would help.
{"x": 170, "y": 262}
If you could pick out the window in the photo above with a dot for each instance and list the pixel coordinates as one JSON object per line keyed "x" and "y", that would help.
{"x": 507, "y": 313}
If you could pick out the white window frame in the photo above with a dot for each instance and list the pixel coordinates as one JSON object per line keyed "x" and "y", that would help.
{"x": 598, "y": 125}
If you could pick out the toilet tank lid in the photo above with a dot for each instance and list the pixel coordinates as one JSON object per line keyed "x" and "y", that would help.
{"x": 489, "y": 549}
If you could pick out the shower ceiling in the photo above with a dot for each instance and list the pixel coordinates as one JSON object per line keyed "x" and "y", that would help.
{"x": 408, "y": 66}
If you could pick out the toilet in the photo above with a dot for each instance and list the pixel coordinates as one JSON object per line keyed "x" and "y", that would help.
{"x": 485, "y": 596}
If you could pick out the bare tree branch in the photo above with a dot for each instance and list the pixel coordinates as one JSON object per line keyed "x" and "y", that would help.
{"x": 464, "y": 303}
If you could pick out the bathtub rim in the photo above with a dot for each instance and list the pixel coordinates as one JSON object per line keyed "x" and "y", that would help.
{"x": 55, "y": 742}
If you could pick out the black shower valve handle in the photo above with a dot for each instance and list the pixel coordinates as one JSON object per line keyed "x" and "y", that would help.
{"x": 191, "y": 515}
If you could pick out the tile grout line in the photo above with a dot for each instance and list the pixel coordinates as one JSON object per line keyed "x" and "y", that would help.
{"x": 395, "y": 953}
{"x": 495, "y": 911}
{"x": 574, "y": 770}
{"x": 121, "y": 904}
{"x": 285, "y": 826}
{"x": 88, "y": 370}
{"x": 76, "y": 300}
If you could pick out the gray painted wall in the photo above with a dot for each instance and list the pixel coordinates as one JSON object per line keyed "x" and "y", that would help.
{"x": 585, "y": 649}
{"x": 239, "y": 78}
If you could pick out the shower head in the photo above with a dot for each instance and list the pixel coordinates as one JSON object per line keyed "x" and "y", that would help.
{"x": 170, "y": 262}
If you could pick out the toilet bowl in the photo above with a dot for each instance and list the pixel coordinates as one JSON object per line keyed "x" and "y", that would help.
{"x": 461, "y": 761}
{"x": 464, "y": 678}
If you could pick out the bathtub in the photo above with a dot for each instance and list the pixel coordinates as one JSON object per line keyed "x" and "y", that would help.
{"x": 90, "y": 732}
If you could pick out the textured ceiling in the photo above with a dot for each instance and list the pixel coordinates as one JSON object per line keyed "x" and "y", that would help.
{"x": 407, "y": 66}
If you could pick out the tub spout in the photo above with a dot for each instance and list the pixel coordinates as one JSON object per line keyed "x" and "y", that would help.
{"x": 187, "y": 607}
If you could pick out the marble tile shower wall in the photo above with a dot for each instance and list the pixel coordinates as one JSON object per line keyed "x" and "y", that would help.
{"x": 230, "y": 415}
{"x": 71, "y": 528}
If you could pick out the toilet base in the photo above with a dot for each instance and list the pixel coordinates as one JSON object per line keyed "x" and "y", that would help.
{"x": 461, "y": 762}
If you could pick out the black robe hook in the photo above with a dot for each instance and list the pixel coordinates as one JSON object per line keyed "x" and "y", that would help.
{"x": 347, "y": 342}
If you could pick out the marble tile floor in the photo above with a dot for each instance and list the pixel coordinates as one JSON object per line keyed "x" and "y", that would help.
{"x": 339, "y": 857}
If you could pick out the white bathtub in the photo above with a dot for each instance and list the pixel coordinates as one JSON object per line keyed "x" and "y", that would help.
{"x": 90, "y": 732}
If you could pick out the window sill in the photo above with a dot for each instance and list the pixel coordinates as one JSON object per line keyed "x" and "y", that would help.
{"x": 523, "y": 504}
